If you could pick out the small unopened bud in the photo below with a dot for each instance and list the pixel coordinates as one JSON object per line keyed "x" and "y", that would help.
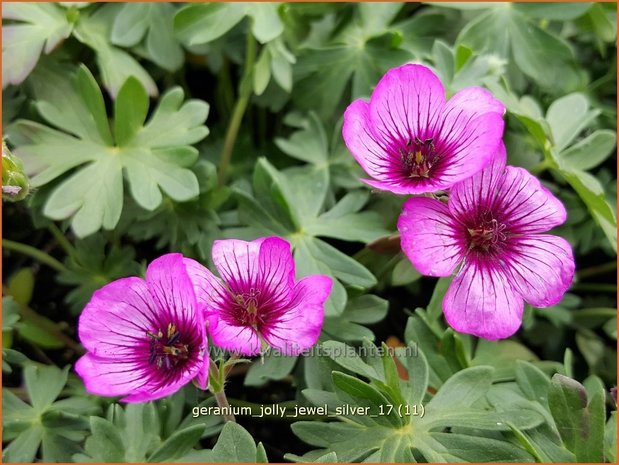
{"x": 15, "y": 184}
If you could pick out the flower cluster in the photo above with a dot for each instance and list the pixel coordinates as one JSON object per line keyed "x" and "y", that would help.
{"x": 490, "y": 231}
{"x": 146, "y": 338}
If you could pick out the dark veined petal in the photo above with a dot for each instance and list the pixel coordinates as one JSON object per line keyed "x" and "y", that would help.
{"x": 276, "y": 268}
{"x": 468, "y": 146}
{"x": 115, "y": 322}
{"x": 237, "y": 262}
{"x": 298, "y": 327}
{"x": 429, "y": 236}
{"x": 106, "y": 376}
{"x": 406, "y": 101}
{"x": 364, "y": 145}
{"x": 527, "y": 206}
{"x": 470, "y": 131}
{"x": 172, "y": 291}
{"x": 474, "y": 101}
{"x": 514, "y": 196}
{"x": 482, "y": 302}
{"x": 479, "y": 191}
{"x": 238, "y": 339}
{"x": 207, "y": 287}
{"x": 541, "y": 268}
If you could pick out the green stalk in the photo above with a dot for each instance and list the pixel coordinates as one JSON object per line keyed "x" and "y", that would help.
{"x": 222, "y": 401}
{"x": 61, "y": 239}
{"x": 245, "y": 91}
{"x": 227, "y": 93}
{"x": 34, "y": 253}
{"x": 216, "y": 386}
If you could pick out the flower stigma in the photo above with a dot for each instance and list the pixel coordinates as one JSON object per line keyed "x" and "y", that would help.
{"x": 247, "y": 306}
{"x": 486, "y": 235}
{"x": 167, "y": 351}
{"x": 418, "y": 157}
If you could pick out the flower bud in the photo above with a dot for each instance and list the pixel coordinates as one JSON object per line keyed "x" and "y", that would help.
{"x": 15, "y": 184}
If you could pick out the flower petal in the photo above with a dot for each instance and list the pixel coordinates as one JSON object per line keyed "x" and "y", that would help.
{"x": 109, "y": 376}
{"x": 276, "y": 272}
{"x": 148, "y": 393}
{"x": 468, "y": 143}
{"x": 117, "y": 326}
{"x": 475, "y": 101}
{"x": 202, "y": 375}
{"x": 541, "y": 268}
{"x": 105, "y": 376}
{"x": 237, "y": 262}
{"x": 206, "y": 286}
{"x": 298, "y": 328}
{"x": 406, "y": 102}
{"x": 115, "y": 322}
{"x": 528, "y": 206}
{"x": 172, "y": 291}
{"x": 515, "y": 196}
{"x": 376, "y": 157}
{"x": 480, "y": 189}
{"x": 429, "y": 237}
{"x": 480, "y": 301}
{"x": 240, "y": 339}
{"x": 363, "y": 144}
{"x": 397, "y": 186}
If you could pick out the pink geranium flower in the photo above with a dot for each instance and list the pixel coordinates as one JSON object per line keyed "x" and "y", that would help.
{"x": 492, "y": 229}
{"x": 145, "y": 338}
{"x": 411, "y": 141}
{"x": 259, "y": 301}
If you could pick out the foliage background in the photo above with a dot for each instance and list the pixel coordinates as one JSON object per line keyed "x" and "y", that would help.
{"x": 149, "y": 128}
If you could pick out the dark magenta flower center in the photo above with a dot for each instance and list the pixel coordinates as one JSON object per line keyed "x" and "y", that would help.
{"x": 487, "y": 234}
{"x": 418, "y": 157}
{"x": 167, "y": 349}
{"x": 245, "y": 308}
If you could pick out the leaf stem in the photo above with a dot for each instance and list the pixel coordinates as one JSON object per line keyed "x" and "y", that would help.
{"x": 61, "y": 239}
{"x": 216, "y": 386}
{"x": 245, "y": 91}
{"x": 34, "y": 253}
{"x": 222, "y": 401}
{"x": 226, "y": 93}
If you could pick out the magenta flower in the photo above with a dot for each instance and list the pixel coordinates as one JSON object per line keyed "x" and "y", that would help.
{"x": 492, "y": 227}
{"x": 145, "y": 338}
{"x": 259, "y": 302}
{"x": 410, "y": 141}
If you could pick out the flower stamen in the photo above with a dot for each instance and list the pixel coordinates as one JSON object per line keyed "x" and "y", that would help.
{"x": 247, "y": 307}
{"x": 418, "y": 157}
{"x": 169, "y": 352}
{"x": 486, "y": 235}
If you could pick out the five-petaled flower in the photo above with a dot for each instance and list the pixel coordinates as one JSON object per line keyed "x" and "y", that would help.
{"x": 259, "y": 302}
{"x": 411, "y": 141}
{"x": 145, "y": 338}
{"x": 492, "y": 228}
